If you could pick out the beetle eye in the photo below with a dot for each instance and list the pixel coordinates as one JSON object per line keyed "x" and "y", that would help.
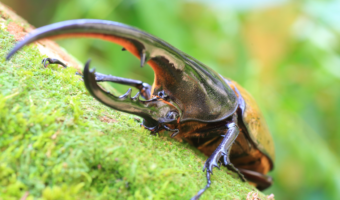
{"x": 172, "y": 115}
{"x": 162, "y": 95}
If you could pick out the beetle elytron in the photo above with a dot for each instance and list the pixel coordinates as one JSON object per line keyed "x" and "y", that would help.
{"x": 212, "y": 113}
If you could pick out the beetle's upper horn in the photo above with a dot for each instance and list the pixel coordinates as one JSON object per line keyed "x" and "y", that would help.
{"x": 130, "y": 38}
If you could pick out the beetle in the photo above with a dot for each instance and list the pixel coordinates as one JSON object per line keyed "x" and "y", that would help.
{"x": 187, "y": 98}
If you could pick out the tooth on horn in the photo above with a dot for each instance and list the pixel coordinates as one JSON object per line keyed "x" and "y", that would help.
{"x": 144, "y": 58}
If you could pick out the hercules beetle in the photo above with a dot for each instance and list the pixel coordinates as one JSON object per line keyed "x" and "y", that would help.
{"x": 212, "y": 113}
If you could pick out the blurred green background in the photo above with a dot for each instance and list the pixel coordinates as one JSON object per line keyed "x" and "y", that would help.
{"x": 285, "y": 53}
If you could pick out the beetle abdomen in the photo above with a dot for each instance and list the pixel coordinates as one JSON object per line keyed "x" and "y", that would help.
{"x": 255, "y": 127}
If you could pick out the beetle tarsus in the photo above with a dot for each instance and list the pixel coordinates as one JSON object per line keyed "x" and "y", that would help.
{"x": 47, "y": 61}
{"x": 199, "y": 193}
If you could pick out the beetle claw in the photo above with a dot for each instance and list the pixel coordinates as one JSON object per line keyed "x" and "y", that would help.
{"x": 210, "y": 164}
{"x": 225, "y": 160}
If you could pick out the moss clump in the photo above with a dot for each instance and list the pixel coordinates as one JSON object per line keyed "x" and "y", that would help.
{"x": 57, "y": 142}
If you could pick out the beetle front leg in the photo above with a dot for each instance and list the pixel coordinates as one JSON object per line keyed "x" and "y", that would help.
{"x": 144, "y": 88}
{"x": 222, "y": 150}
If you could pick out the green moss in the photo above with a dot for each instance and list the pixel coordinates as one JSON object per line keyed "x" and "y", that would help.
{"x": 55, "y": 144}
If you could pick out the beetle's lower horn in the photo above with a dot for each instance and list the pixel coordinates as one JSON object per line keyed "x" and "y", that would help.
{"x": 124, "y": 103}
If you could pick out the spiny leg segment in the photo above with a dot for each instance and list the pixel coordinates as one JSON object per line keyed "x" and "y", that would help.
{"x": 222, "y": 150}
{"x": 144, "y": 88}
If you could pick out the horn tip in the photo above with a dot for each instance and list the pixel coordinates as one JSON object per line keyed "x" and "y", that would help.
{"x": 87, "y": 66}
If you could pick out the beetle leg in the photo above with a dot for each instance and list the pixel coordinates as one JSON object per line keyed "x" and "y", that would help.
{"x": 144, "y": 88}
{"x": 262, "y": 181}
{"x": 47, "y": 61}
{"x": 176, "y": 131}
{"x": 222, "y": 150}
